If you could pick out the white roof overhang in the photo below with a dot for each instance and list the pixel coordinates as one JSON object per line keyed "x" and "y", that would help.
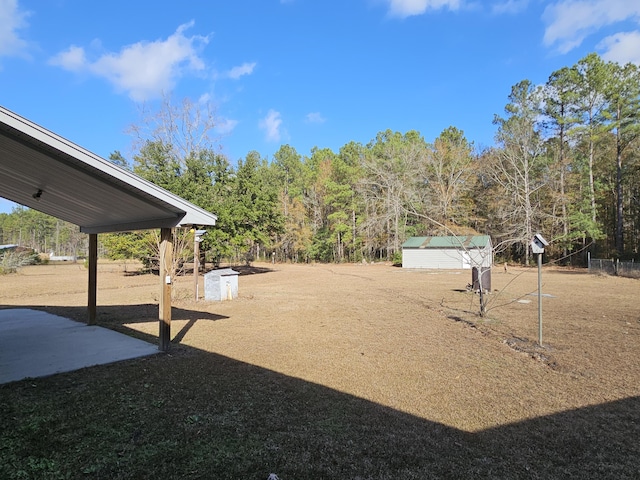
{"x": 82, "y": 188}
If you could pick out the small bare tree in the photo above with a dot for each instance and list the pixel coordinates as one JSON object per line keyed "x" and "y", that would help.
{"x": 182, "y": 251}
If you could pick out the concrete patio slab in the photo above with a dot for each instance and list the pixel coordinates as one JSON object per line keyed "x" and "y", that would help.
{"x": 37, "y": 344}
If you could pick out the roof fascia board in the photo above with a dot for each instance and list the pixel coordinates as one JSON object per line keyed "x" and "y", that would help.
{"x": 187, "y": 220}
{"x": 129, "y": 227}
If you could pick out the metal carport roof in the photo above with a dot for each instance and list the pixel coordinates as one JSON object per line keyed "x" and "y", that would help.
{"x": 46, "y": 172}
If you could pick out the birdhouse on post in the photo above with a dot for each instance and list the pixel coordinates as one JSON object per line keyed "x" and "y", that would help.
{"x": 538, "y": 243}
{"x": 537, "y": 246}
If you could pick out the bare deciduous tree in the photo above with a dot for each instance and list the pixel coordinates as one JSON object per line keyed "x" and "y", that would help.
{"x": 518, "y": 165}
{"x": 187, "y": 127}
{"x": 391, "y": 171}
{"x": 450, "y": 174}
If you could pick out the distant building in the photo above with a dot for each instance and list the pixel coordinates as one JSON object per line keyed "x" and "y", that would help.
{"x": 61, "y": 258}
{"x": 465, "y": 251}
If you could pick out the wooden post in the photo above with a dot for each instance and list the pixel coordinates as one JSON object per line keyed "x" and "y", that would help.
{"x": 93, "y": 278}
{"x": 196, "y": 263}
{"x": 166, "y": 260}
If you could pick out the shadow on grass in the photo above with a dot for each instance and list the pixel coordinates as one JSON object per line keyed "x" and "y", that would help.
{"x": 196, "y": 414}
{"x": 117, "y": 317}
{"x": 250, "y": 269}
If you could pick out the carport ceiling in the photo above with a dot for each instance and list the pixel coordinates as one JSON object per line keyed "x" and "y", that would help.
{"x": 48, "y": 173}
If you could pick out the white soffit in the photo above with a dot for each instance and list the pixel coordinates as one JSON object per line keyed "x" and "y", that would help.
{"x": 80, "y": 187}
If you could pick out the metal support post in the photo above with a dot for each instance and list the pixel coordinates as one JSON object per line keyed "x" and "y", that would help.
{"x": 540, "y": 299}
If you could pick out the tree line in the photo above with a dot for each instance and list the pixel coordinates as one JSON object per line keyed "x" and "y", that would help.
{"x": 565, "y": 163}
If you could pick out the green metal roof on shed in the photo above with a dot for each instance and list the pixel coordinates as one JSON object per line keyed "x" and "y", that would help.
{"x": 466, "y": 241}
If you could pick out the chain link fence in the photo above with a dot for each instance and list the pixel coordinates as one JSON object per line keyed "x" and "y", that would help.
{"x": 614, "y": 267}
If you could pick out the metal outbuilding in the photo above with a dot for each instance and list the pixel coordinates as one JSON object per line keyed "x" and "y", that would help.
{"x": 48, "y": 173}
{"x": 449, "y": 252}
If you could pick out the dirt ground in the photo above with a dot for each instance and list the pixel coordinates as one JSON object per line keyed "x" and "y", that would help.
{"x": 407, "y": 339}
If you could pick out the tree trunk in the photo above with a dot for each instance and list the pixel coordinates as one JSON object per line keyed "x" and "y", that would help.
{"x": 619, "y": 209}
{"x": 563, "y": 200}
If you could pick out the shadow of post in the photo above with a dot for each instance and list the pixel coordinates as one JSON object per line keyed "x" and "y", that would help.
{"x": 117, "y": 317}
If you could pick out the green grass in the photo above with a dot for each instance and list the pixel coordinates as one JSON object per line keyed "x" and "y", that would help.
{"x": 194, "y": 414}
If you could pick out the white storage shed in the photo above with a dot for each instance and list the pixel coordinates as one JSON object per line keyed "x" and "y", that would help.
{"x": 448, "y": 252}
{"x": 221, "y": 284}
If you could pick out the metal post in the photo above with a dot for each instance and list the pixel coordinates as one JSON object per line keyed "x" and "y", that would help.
{"x": 540, "y": 299}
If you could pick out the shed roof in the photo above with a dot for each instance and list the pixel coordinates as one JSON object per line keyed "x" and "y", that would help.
{"x": 463, "y": 241}
{"x": 222, "y": 272}
{"x": 48, "y": 173}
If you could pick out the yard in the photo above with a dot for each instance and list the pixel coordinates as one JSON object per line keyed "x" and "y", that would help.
{"x": 337, "y": 371}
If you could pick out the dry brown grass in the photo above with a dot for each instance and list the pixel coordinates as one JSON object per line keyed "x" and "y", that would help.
{"x": 339, "y": 357}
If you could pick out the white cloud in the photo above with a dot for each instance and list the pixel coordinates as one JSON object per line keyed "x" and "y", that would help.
{"x": 12, "y": 20}
{"x": 244, "y": 69}
{"x": 509, "y": 7}
{"x": 72, "y": 59}
{"x": 407, "y": 8}
{"x": 569, "y": 22}
{"x": 271, "y": 125}
{"x": 315, "y": 117}
{"x": 622, "y": 48}
{"x": 143, "y": 70}
{"x": 225, "y": 125}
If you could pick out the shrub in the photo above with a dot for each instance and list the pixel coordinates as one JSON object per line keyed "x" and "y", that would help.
{"x": 11, "y": 260}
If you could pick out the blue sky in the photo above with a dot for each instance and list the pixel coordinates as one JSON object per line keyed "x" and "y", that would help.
{"x": 308, "y": 73}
